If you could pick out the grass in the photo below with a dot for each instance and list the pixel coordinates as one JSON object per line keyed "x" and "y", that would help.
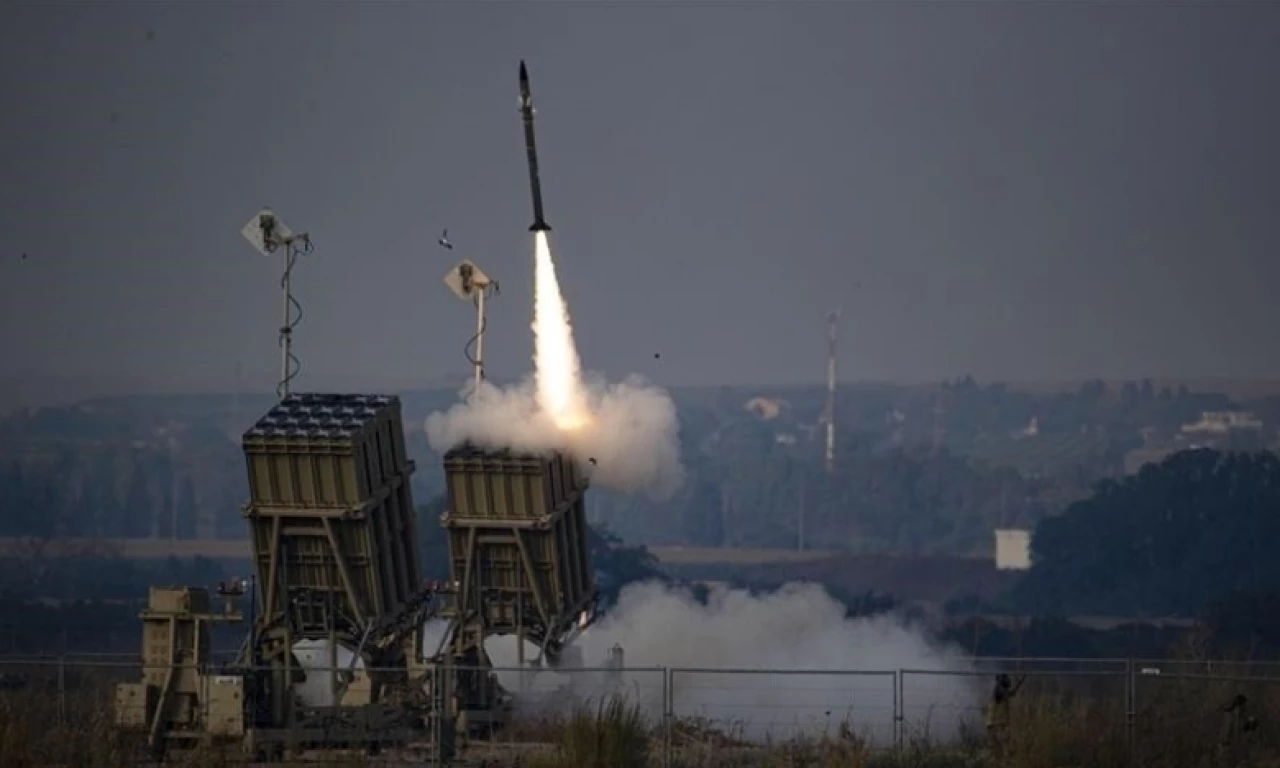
{"x": 1178, "y": 723}
{"x": 612, "y": 733}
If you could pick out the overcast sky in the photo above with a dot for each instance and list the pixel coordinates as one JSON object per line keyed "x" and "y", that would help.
{"x": 1023, "y": 190}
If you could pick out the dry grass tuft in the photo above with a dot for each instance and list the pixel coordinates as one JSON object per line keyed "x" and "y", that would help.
{"x": 37, "y": 728}
{"x": 612, "y": 733}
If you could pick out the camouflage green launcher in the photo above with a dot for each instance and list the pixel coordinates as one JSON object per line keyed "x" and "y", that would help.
{"x": 518, "y": 546}
{"x": 331, "y": 515}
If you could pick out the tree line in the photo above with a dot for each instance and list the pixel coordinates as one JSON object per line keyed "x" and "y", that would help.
{"x": 919, "y": 470}
{"x": 1194, "y": 530}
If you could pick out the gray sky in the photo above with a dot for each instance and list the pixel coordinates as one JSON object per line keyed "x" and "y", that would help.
{"x": 1024, "y": 190}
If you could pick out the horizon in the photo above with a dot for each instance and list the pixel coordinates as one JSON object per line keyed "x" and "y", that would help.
{"x": 18, "y": 393}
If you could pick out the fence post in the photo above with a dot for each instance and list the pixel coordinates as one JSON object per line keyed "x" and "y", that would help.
{"x": 899, "y": 707}
{"x": 1131, "y": 710}
{"x": 668, "y": 707}
{"x": 206, "y": 683}
{"x": 62, "y": 689}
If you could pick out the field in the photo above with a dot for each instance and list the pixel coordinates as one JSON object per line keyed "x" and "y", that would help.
{"x": 1066, "y": 715}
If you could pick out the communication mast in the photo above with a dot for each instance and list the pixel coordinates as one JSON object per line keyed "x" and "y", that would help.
{"x": 470, "y": 284}
{"x": 268, "y": 234}
{"x": 830, "y": 412}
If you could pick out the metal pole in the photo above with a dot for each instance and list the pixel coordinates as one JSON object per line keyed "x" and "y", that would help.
{"x": 286, "y": 333}
{"x": 521, "y": 662}
{"x": 253, "y": 619}
{"x": 62, "y": 690}
{"x": 333, "y": 636}
{"x": 900, "y": 707}
{"x": 668, "y": 713}
{"x": 284, "y": 327}
{"x": 1131, "y": 707}
{"x": 479, "y": 337}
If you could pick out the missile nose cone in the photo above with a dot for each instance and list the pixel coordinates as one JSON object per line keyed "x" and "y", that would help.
{"x": 524, "y": 76}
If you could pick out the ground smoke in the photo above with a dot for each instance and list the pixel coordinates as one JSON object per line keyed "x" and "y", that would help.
{"x": 794, "y": 653}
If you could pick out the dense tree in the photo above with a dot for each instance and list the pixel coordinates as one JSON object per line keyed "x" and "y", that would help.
{"x": 18, "y": 506}
{"x": 1246, "y": 624}
{"x": 617, "y": 565}
{"x": 1191, "y": 529}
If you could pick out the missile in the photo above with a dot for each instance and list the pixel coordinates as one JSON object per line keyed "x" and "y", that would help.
{"x": 531, "y": 149}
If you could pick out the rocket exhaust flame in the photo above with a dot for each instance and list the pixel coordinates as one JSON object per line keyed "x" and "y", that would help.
{"x": 557, "y": 368}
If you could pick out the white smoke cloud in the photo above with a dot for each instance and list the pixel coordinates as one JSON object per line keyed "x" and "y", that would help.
{"x": 630, "y": 445}
{"x": 800, "y": 629}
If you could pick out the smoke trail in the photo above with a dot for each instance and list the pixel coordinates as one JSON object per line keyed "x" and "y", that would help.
{"x": 558, "y": 371}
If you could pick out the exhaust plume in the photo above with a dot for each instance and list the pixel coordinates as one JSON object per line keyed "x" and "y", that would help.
{"x": 558, "y": 371}
{"x": 628, "y": 443}
{"x": 624, "y": 436}
{"x": 798, "y": 628}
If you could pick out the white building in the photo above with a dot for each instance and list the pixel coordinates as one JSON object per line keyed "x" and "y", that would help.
{"x": 1222, "y": 422}
{"x": 1013, "y": 549}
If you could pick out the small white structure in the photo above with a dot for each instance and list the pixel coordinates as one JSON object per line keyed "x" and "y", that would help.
{"x": 765, "y": 408}
{"x": 1222, "y": 422}
{"x": 1013, "y": 549}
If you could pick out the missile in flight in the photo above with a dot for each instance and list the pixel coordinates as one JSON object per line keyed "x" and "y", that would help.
{"x": 531, "y": 149}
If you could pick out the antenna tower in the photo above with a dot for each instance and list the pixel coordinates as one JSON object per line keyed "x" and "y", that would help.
{"x": 830, "y": 416}
{"x": 267, "y": 234}
{"x": 469, "y": 283}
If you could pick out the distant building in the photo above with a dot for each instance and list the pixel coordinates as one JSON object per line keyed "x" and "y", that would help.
{"x": 1218, "y": 430}
{"x": 1031, "y": 430}
{"x": 766, "y": 408}
{"x": 1013, "y": 549}
{"x": 1223, "y": 423}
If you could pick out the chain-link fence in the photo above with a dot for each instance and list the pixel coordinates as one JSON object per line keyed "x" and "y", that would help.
{"x": 1033, "y": 714}
{"x": 1160, "y": 714}
{"x": 1192, "y": 714}
{"x": 543, "y": 712}
{"x": 62, "y": 712}
{"x": 719, "y": 716}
